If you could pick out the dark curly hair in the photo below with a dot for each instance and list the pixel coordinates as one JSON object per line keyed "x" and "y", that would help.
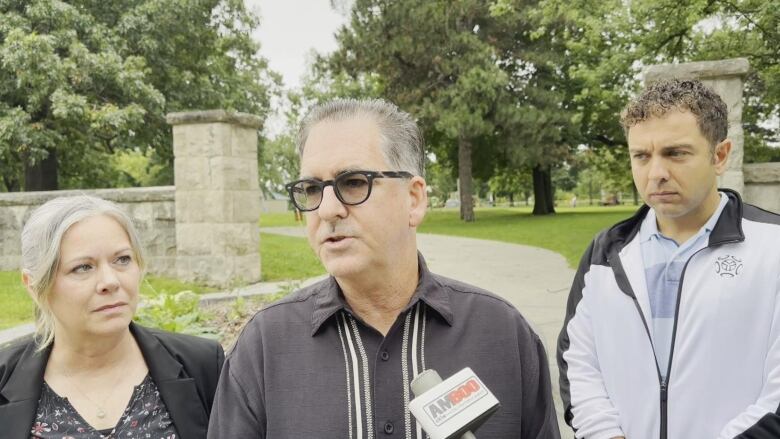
{"x": 661, "y": 97}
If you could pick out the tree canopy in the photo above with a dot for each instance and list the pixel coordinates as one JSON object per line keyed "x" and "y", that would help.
{"x": 607, "y": 43}
{"x": 82, "y": 80}
{"x": 473, "y": 74}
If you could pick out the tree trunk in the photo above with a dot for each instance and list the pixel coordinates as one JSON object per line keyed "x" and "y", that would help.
{"x": 11, "y": 183}
{"x": 550, "y": 190}
{"x": 511, "y": 199}
{"x": 42, "y": 176}
{"x": 590, "y": 189}
{"x": 543, "y": 191}
{"x": 464, "y": 174}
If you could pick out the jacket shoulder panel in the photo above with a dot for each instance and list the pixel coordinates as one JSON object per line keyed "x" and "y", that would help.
{"x": 759, "y": 215}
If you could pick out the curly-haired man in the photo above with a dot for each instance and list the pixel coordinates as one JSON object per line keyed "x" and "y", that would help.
{"x": 673, "y": 319}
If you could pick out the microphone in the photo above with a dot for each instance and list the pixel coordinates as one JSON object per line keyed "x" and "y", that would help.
{"x": 452, "y": 408}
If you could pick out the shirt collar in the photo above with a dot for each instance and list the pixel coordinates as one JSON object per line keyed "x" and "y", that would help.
{"x": 649, "y": 228}
{"x": 329, "y": 299}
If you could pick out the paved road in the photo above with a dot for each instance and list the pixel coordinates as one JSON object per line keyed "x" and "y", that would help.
{"x": 535, "y": 280}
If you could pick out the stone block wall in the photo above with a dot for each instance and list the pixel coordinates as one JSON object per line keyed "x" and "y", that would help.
{"x": 203, "y": 229}
{"x": 152, "y": 209}
{"x": 762, "y": 185}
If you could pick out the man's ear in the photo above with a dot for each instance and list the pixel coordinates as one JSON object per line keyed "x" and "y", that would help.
{"x": 720, "y": 156}
{"x": 418, "y": 199}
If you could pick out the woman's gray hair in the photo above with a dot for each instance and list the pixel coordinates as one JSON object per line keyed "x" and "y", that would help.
{"x": 41, "y": 241}
{"x": 401, "y": 140}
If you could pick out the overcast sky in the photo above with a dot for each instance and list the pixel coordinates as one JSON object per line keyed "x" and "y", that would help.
{"x": 290, "y": 29}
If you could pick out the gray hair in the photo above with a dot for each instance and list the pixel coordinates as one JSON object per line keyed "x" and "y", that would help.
{"x": 41, "y": 245}
{"x": 401, "y": 139}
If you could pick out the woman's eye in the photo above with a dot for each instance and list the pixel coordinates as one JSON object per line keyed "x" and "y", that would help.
{"x": 124, "y": 260}
{"x": 83, "y": 268}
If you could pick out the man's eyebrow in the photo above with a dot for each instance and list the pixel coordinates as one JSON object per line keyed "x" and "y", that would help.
{"x": 677, "y": 145}
{"x": 635, "y": 149}
{"x": 350, "y": 169}
{"x": 341, "y": 171}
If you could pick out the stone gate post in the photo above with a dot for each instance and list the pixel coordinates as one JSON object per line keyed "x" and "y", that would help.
{"x": 217, "y": 197}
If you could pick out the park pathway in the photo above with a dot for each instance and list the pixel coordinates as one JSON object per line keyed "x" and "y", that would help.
{"x": 535, "y": 280}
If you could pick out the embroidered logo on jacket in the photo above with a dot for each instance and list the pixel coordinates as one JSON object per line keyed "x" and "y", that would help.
{"x": 728, "y": 266}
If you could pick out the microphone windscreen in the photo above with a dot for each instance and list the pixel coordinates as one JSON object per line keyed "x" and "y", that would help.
{"x": 425, "y": 381}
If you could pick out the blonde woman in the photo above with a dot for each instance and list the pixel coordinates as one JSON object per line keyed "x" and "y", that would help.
{"x": 89, "y": 372}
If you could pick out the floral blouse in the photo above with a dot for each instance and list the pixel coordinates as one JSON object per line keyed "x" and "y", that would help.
{"x": 145, "y": 417}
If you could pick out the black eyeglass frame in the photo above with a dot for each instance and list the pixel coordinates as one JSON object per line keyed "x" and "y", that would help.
{"x": 370, "y": 176}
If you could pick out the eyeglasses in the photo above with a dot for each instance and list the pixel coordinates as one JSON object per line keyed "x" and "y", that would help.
{"x": 351, "y": 188}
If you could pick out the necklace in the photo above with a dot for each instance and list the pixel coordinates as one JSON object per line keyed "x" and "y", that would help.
{"x": 101, "y": 412}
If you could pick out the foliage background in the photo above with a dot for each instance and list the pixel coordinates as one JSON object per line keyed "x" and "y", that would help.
{"x": 85, "y": 85}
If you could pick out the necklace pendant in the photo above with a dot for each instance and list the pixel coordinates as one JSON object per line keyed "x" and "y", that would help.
{"x": 101, "y": 413}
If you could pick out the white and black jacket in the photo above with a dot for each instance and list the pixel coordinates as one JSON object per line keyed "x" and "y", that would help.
{"x": 724, "y": 368}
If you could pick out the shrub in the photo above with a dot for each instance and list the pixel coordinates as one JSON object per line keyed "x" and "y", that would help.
{"x": 176, "y": 313}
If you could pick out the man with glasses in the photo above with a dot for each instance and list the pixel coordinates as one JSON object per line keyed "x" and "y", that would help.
{"x": 334, "y": 360}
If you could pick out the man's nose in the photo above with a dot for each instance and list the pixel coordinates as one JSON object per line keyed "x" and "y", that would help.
{"x": 331, "y": 207}
{"x": 658, "y": 169}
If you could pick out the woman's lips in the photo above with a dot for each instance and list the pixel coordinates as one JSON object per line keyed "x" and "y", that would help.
{"x": 111, "y": 307}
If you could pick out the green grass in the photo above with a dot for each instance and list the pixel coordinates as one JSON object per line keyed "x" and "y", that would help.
{"x": 17, "y": 307}
{"x": 568, "y": 232}
{"x": 284, "y": 258}
{"x": 278, "y": 219}
{"x": 287, "y": 258}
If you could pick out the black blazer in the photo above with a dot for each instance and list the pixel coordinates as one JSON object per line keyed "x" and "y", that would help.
{"x": 184, "y": 368}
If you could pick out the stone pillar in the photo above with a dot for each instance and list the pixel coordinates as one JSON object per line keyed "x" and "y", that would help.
{"x": 762, "y": 185}
{"x": 725, "y": 78}
{"x": 217, "y": 197}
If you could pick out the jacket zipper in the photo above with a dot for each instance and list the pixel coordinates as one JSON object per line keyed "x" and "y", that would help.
{"x": 664, "y": 394}
{"x": 664, "y": 381}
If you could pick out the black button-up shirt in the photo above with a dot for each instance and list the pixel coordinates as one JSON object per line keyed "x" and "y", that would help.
{"x": 308, "y": 367}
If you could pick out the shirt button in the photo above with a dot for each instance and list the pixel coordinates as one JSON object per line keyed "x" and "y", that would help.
{"x": 389, "y": 427}
{"x": 385, "y": 356}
